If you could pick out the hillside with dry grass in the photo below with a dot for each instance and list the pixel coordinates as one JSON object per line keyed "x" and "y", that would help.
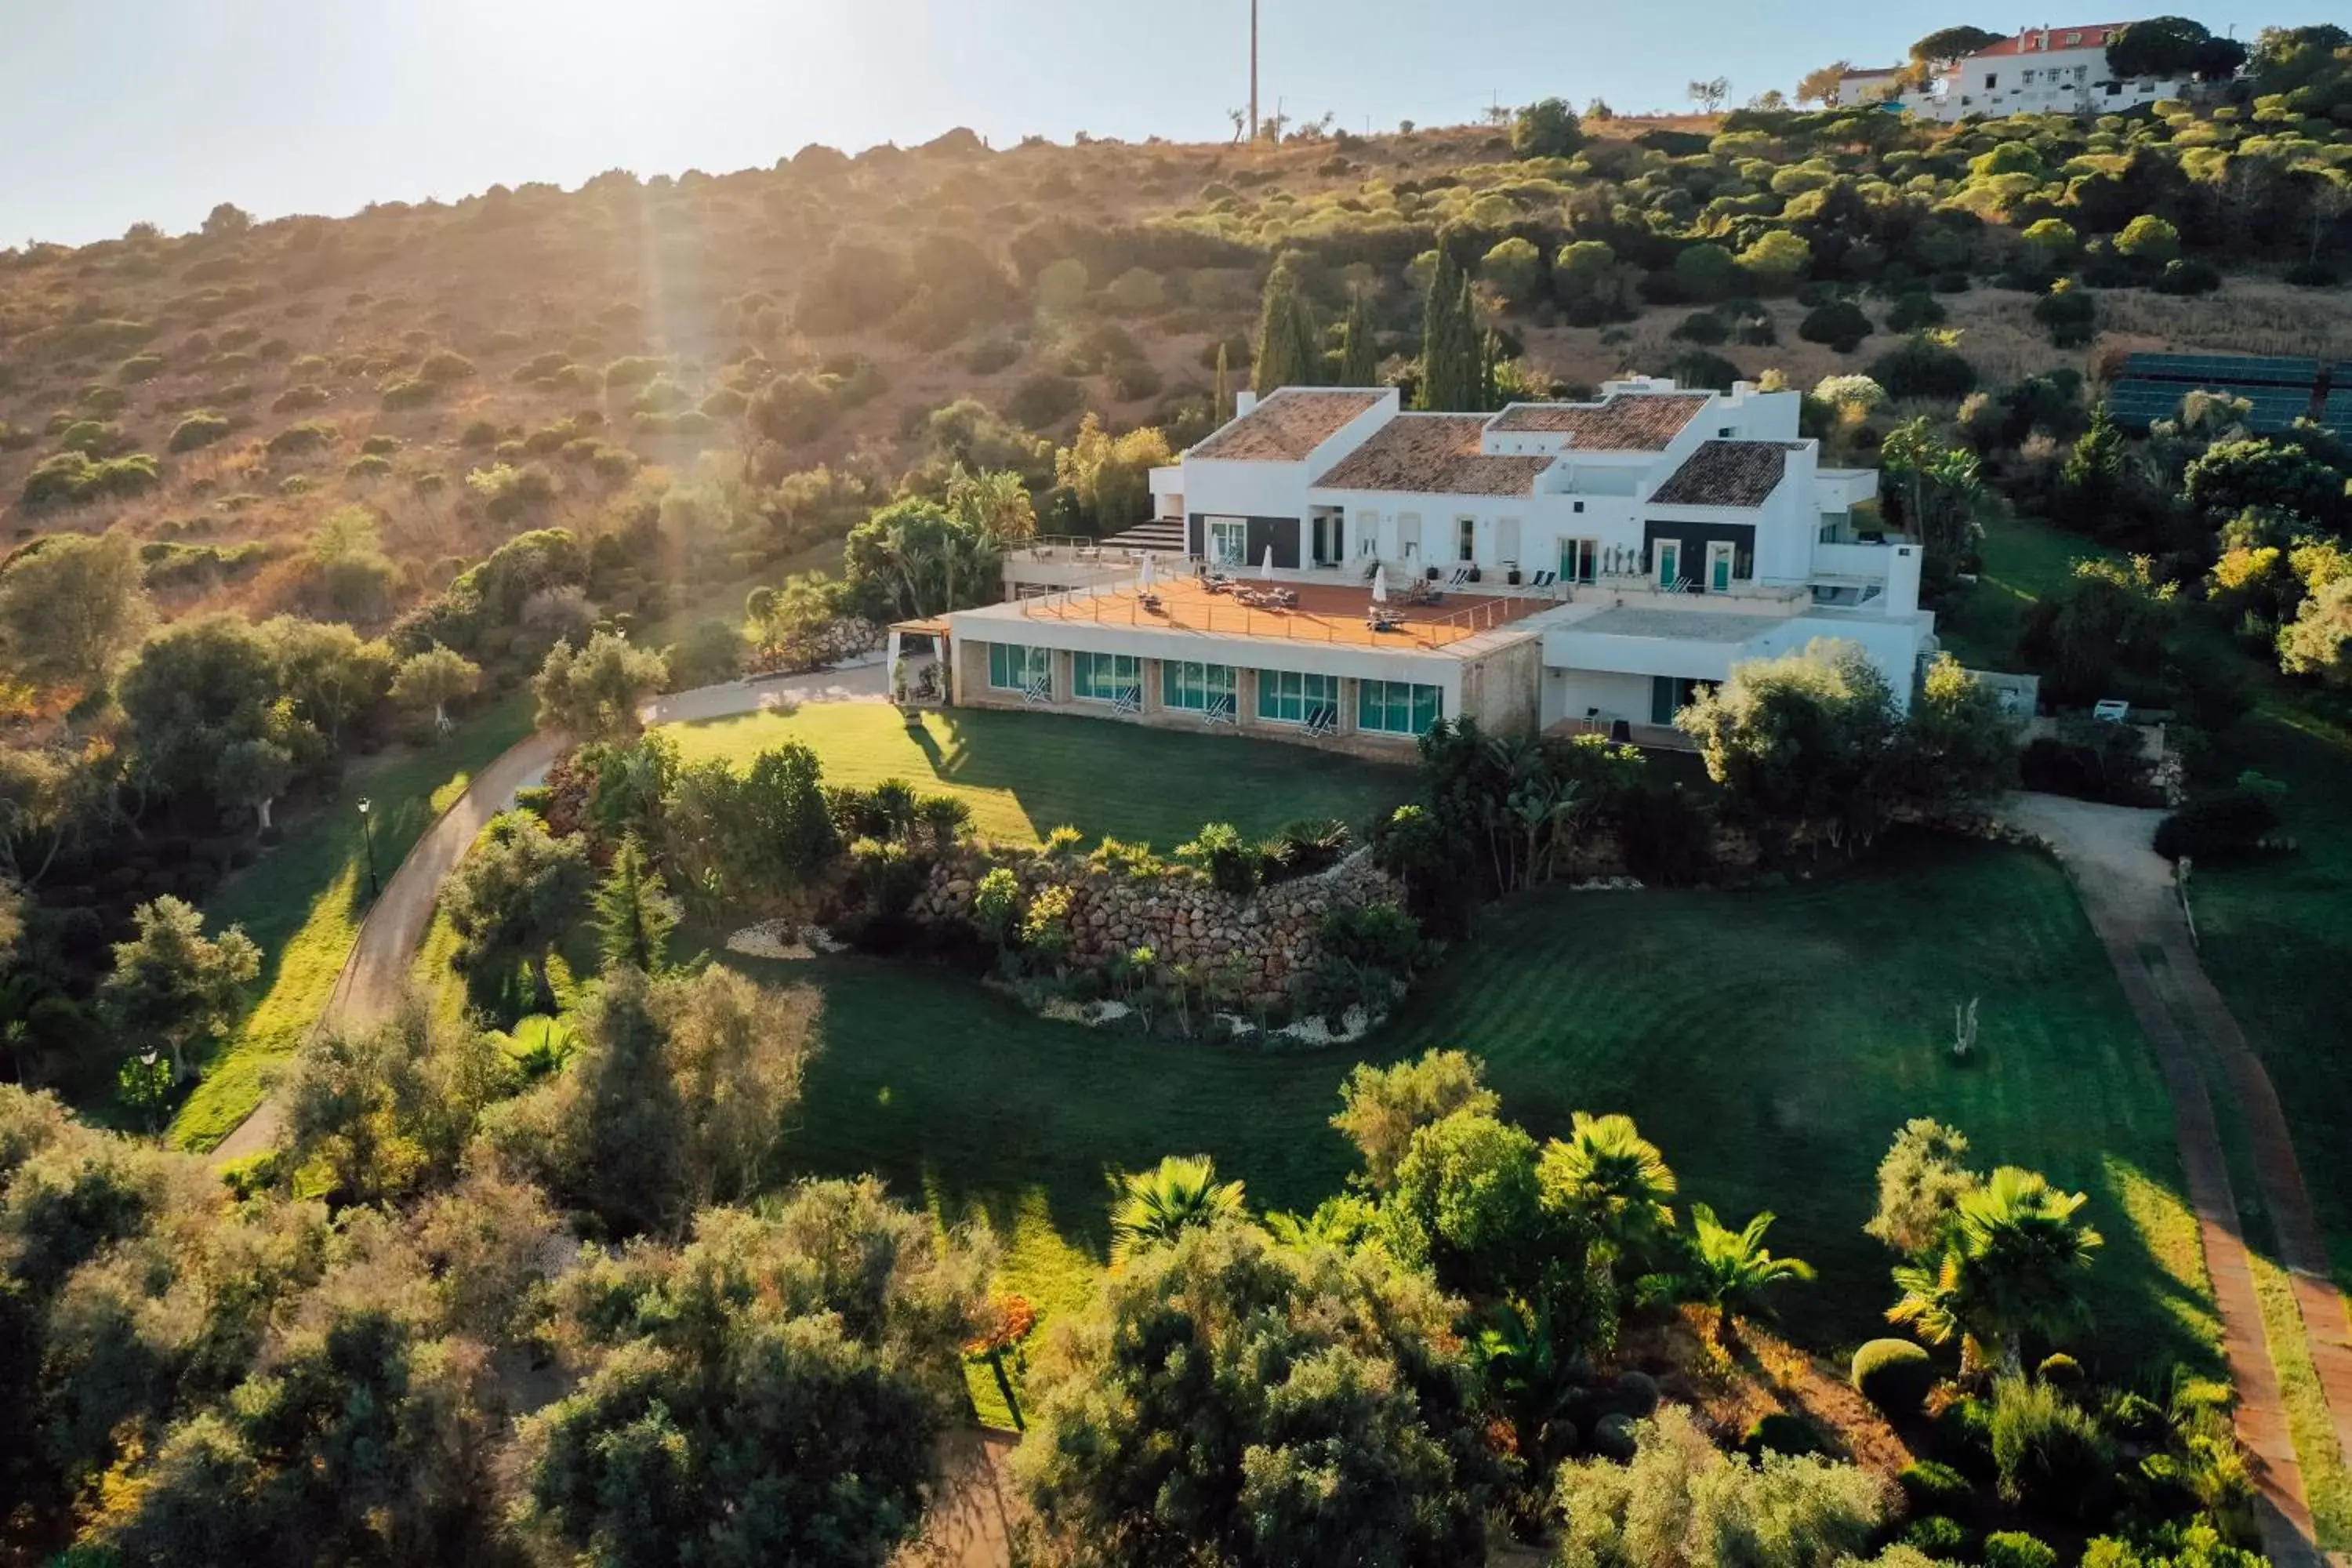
{"x": 535, "y": 357}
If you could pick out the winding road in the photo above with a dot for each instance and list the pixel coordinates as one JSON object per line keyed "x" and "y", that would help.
{"x": 376, "y": 973}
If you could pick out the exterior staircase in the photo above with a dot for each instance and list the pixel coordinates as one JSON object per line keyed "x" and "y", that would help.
{"x": 1162, "y": 535}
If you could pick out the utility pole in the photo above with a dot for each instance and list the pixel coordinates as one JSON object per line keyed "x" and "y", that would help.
{"x": 1253, "y": 73}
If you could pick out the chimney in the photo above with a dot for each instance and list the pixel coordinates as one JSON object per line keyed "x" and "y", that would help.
{"x": 1244, "y": 400}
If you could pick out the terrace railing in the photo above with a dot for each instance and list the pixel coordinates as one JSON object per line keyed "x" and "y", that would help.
{"x": 1415, "y": 624}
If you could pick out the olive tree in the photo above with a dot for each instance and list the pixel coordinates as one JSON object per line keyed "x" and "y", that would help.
{"x": 171, "y": 983}
{"x": 594, "y": 692}
{"x": 1234, "y": 1399}
{"x": 69, "y": 608}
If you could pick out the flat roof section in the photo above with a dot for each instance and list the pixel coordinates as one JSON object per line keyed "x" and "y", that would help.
{"x": 1685, "y": 626}
{"x": 1325, "y": 614}
{"x": 1287, "y": 426}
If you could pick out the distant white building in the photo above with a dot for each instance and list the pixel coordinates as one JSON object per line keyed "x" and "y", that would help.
{"x": 2041, "y": 70}
{"x": 1874, "y": 84}
{"x": 1553, "y": 565}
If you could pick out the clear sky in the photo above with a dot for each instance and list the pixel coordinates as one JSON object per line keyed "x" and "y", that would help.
{"x": 114, "y": 111}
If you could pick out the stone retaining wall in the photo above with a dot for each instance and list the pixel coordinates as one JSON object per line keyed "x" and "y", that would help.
{"x": 1260, "y": 941}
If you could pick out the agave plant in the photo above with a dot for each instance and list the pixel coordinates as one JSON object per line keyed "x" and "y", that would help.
{"x": 1157, "y": 1205}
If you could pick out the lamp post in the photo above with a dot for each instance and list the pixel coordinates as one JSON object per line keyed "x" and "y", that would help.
{"x": 367, "y": 832}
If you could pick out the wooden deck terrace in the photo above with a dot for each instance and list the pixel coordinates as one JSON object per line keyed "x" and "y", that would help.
{"x": 1325, "y": 613}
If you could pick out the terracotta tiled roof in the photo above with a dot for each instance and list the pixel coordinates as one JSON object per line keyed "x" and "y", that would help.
{"x": 1287, "y": 426}
{"x": 1727, "y": 473}
{"x": 2094, "y": 37}
{"x": 1435, "y": 454}
{"x": 1623, "y": 422}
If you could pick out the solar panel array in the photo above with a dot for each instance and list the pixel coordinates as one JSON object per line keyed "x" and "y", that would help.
{"x": 2222, "y": 370}
{"x": 2278, "y": 392}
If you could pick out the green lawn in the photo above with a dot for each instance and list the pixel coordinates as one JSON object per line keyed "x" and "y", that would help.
{"x": 1027, "y": 773}
{"x": 303, "y": 901}
{"x": 2276, "y": 938}
{"x": 2023, "y": 561}
{"x": 1771, "y": 1041}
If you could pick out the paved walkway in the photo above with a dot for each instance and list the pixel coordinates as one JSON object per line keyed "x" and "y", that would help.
{"x": 2128, "y": 890}
{"x": 377, "y": 970}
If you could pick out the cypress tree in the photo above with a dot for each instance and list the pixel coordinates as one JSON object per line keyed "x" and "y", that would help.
{"x": 634, "y": 914}
{"x": 1449, "y": 348}
{"x": 1224, "y": 405}
{"x": 1490, "y": 353}
{"x": 1361, "y": 365}
{"x": 1288, "y": 349}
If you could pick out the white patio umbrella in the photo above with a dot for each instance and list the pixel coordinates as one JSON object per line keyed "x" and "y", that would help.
{"x": 1265, "y": 567}
{"x": 1379, "y": 583}
{"x": 1143, "y": 578}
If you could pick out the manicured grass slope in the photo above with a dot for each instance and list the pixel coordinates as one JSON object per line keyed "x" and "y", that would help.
{"x": 1771, "y": 1041}
{"x": 303, "y": 900}
{"x": 2024, "y": 561}
{"x": 2276, "y": 938}
{"x": 1027, "y": 773}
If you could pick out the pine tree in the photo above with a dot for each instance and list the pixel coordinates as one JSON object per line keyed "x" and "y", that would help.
{"x": 1224, "y": 404}
{"x": 1449, "y": 349}
{"x": 1360, "y": 365}
{"x": 634, "y": 914}
{"x": 1288, "y": 341}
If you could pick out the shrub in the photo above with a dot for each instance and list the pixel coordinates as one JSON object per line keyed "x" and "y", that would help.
{"x": 2046, "y": 1450}
{"x": 1841, "y": 324}
{"x": 2015, "y": 1548}
{"x": 1893, "y": 1374}
{"x": 633, "y": 369}
{"x": 444, "y": 367}
{"x": 480, "y": 433}
{"x": 725, "y": 403}
{"x": 1922, "y": 367}
{"x": 139, "y": 368}
{"x": 992, "y": 354}
{"x": 1132, "y": 380}
{"x": 1780, "y": 1433}
{"x": 1964, "y": 1436}
{"x": 1220, "y": 851}
{"x": 1702, "y": 327}
{"x": 2187, "y": 277}
{"x": 2218, "y": 828}
{"x": 94, "y": 439}
{"x": 1913, "y": 312}
{"x": 370, "y": 465}
{"x": 1044, "y": 399}
{"x": 1938, "y": 1537}
{"x": 297, "y": 399}
{"x": 73, "y": 478}
{"x": 1931, "y": 1488}
{"x": 409, "y": 392}
{"x": 2070, "y": 313}
{"x": 2063, "y": 1373}
{"x": 309, "y": 436}
{"x": 198, "y": 429}
{"x": 380, "y": 446}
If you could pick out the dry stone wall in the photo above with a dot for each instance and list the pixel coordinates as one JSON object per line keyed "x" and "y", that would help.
{"x": 1257, "y": 943}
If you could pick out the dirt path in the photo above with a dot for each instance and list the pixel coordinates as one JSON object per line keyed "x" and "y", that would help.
{"x": 385, "y": 952}
{"x": 2128, "y": 892}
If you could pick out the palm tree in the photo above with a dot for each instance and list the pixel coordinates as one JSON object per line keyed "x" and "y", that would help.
{"x": 1606, "y": 1172}
{"x": 1726, "y": 1270}
{"x": 1156, "y": 1205}
{"x": 2011, "y": 1267}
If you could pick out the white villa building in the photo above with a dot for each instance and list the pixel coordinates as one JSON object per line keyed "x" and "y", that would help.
{"x": 2041, "y": 70}
{"x": 1328, "y": 566}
